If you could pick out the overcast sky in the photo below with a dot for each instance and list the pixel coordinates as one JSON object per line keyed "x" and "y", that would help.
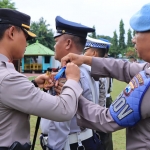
{"x": 104, "y": 14}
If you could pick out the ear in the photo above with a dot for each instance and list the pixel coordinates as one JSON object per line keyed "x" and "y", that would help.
{"x": 69, "y": 43}
{"x": 11, "y": 32}
{"x": 95, "y": 53}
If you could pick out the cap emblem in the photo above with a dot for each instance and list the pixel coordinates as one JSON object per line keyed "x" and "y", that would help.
{"x": 25, "y": 26}
{"x": 63, "y": 31}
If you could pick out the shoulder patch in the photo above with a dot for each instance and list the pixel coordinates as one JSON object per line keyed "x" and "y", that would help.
{"x": 126, "y": 110}
{"x": 129, "y": 88}
{"x": 140, "y": 79}
{"x": 134, "y": 82}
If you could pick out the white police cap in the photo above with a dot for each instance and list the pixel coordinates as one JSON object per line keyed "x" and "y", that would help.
{"x": 96, "y": 43}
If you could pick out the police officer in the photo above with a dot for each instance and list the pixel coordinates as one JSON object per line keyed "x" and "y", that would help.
{"x": 18, "y": 96}
{"x": 99, "y": 48}
{"x": 71, "y": 37}
{"x": 131, "y": 108}
{"x": 107, "y": 137}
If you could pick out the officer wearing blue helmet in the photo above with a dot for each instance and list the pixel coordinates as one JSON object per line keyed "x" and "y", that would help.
{"x": 131, "y": 108}
{"x": 70, "y": 37}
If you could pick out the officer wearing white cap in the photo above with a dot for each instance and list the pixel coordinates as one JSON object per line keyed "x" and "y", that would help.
{"x": 18, "y": 96}
{"x": 97, "y": 48}
{"x": 131, "y": 108}
{"x": 71, "y": 37}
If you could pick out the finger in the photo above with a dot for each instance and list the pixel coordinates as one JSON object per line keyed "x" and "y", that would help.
{"x": 46, "y": 88}
{"x": 68, "y": 64}
{"x": 65, "y": 60}
{"x": 56, "y": 83}
{"x": 57, "y": 91}
{"x": 50, "y": 81}
{"x": 45, "y": 76}
{"x": 61, "y": 84}
{"x": 59, "y": 87}
{"x": 54, "y": 73}
{"x": 50, "y": 85}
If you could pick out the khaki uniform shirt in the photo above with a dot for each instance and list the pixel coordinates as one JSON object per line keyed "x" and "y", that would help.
{"x": 19, "y": 97}
{"x": 99, "y": 118}
{"x": 102, "y": 91}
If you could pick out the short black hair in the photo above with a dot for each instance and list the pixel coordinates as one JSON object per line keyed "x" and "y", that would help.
{"x": 4, "y": 27}
{"x": 101, "y": 51}
{"x": 107, "y": 50}
{"x": 79, "y": 41}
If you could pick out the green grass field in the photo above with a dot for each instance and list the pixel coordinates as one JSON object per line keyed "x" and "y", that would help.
{"x": 118, "y": 136}
{"x": 119, "y": 141}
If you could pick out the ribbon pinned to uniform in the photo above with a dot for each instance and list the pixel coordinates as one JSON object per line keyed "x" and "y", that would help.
{"x": 60, "y": 74}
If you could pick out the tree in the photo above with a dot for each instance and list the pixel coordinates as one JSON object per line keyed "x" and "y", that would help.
{"x": 131, "y": 52}
{"x": 122, "y": 45}
{"x": 114, "y": 47}
{"x": 133, "y": 33}
{"x": 104, "y": 37}
{"x": 93, "y": 34}
{"x": 129, "y": 40}
{"x": 44, "y": 34}
{"x": 7, "y": 4}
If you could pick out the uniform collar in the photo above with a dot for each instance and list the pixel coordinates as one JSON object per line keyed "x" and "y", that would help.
{"x": 3, "y": 58}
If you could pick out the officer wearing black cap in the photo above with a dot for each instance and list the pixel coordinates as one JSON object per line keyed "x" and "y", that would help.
{"x": 70, "y": 37}
{"x": 68, "y": 27}
{"x": 13, "y": 17}
{"x": 18, "y": 96}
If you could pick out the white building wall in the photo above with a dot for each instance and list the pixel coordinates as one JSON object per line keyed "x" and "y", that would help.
{"x": 55, "y": 63}
{"x": 39, "y": 60}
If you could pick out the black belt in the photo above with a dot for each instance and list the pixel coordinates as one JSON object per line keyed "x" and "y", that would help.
{"x": 3, "y": 148}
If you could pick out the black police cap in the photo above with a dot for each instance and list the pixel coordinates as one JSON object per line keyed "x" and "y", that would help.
{"x": 68, "y": 27}
{"x": 14, "y": 17}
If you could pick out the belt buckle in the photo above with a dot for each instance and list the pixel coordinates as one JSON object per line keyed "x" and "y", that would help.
{"x": 79, "y": 141}
{"x": 83, "y": 148}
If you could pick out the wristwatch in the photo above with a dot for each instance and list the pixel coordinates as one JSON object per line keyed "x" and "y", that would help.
{"x": 35, "y": 84}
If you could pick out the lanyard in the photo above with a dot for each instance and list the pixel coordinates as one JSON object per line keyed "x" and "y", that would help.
{"x": 60, "y": 74}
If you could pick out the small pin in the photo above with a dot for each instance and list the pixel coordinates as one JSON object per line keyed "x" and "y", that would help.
{"x": 63, "y": 31}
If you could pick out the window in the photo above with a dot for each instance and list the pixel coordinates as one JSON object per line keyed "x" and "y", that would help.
{"x": 47, "y": 59}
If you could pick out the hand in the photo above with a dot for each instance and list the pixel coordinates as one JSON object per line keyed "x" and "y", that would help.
{"x": 48, "y": 85}
{"x": 58, "y": 88}
{"x": 74, "y": 58}
{"x": 59, "y": 84}
{"x": 72, "y": 72}
{"x": 40, "y": 80}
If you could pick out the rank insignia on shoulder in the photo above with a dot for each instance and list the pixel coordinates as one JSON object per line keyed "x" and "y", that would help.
{"x": 140, "y": 79}
{"x": 129, "y": 88}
